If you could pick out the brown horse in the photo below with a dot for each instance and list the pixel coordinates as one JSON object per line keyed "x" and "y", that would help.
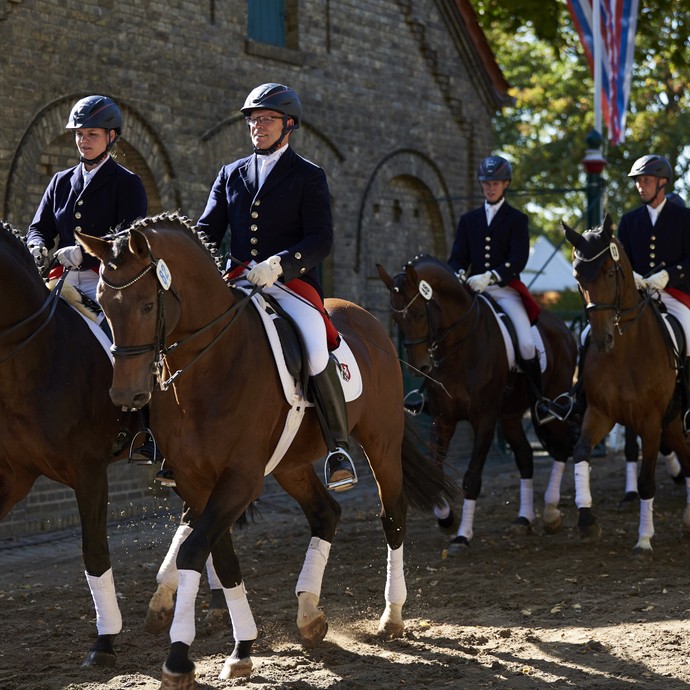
{"x": 453, "y": 338}
{"x": 222, "y": 413}
{"x": 629, "y": 374}
{"x": 56, "y": 417}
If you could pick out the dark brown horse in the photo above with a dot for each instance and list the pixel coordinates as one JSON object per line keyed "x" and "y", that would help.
{"x": 56, "y": 417}
{"x": 629, "y": 374}
{"x": 219, "y": 411}
{"x": 453, "y": 338}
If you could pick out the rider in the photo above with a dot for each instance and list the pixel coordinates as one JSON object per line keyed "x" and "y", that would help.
{"x": 491, "y": 248}
{"x": 277, "y": 208}
{"x": 656, "y": 239}
{"x": 95, "y": 196}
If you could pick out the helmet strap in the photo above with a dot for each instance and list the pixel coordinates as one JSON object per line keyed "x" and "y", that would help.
{"x": 100, "y": 158}
{"x": 659, "y": 187}
{"x": 276, "y": 145}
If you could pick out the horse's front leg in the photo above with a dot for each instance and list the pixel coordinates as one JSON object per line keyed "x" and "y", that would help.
{"x": 446, "y": 515}
{"x": 514, "y": 434}
{"x": 472, "y": 482}
{"x": 631, "y": 451}
{"x": 646, "y": 487}
{"x": 594, "y": 427}
{"x": 92, "y": 501}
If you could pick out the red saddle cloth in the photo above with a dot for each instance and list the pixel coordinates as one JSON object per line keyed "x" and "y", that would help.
{"x": 531, "y": 307}
{"x": 307, "y": 292}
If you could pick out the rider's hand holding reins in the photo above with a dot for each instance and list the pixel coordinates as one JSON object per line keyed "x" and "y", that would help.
{"x": 70, "y": 257}
{"x": 640, "y": 282}
{"x": 265, "y": 273}
{"x": 658, "y": 281}
{"x": 40, "y": 254}
{"x": 480, "y": 282}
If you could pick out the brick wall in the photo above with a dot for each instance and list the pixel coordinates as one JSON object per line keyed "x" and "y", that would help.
{"x": 396, "y": 109}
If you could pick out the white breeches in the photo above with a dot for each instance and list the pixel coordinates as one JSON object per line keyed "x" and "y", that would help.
{"x": 511, "y": 302}
{"x": 682, "y": 313}
{"x": 310, "y": 323}
{"x": 86, "y": 281}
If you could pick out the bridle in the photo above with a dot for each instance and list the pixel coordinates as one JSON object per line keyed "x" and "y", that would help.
{"x": 435, "y": 336}
{"x": 158, "y": 346}
{"x": 49, "y": 304}
{"x": 619, "y": 314}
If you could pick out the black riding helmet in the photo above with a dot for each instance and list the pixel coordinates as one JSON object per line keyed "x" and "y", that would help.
{"x": 494, "y": 168}
{"x": 281, "y": 99}
{"x": 654, "y": 166}
{"x": 98, "y": 112}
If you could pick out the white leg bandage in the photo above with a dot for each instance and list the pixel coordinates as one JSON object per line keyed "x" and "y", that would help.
{"x": 552, "y": 495}
{"x": 442, "y": 511}
{"x": 311, "y": 576}
{"x": 167, "y": 573}
{"x": 108, "y": 616}
{"x": 631, "y": 477}
{"x": 467, "y": 522}
{"x": 583, "y": 496}
{"x": 396, "y": 590}
{"x": 527, "y": 499}
{"x": 672, "y": 464}
{"x": 646, "y": 518}
{"x": 243, "y": 625}
{"x": 183, "y": 627}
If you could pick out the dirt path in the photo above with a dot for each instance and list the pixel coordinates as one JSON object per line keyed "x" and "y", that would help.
{"x": 537, "y": 612}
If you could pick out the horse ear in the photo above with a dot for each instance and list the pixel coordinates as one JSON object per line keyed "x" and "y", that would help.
{"x": 573, "y": 237}
{"x": 608, "y": 226}
{"x": 411, "y": 276}
{"x": 383, "y": 274}
{"x": 95, "y": 246}
{"x": 139, "y": 245}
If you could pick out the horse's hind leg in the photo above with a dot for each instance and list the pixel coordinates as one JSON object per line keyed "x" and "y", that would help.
{"x": 323, "y": 513}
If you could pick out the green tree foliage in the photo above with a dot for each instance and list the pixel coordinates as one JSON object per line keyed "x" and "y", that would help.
{"x": 544, "y": 132}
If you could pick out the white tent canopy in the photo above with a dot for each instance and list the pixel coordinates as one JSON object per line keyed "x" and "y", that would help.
{"x": 547, "y": 269}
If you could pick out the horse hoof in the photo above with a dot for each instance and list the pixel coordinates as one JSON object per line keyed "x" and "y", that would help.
{"x": 642, "y": 554}
{"x": 215, "y": 621}
{"x": 459, "y": 546}
{"x": 391, "y": 630}
{"x": 450, "y": 524}
{"x": 553, "y": 527}
{"x": 158, "y": 621}
{"x": 590, "y": 533}
{"x": 313, "y": 633}
{"x": 236, "y": 668}
{"x": 99, "y": 658}
{"x": 520, "y": 528}
{"x": 628, "y": 501}
{"x": 177, "y": 681}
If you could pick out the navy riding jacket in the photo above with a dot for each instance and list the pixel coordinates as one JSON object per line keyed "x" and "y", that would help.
{"x": 115, "y": 196}
{"x": 502, "y": 247}
{"x": 290, "y": 216}
{"x": 662, "y": 246}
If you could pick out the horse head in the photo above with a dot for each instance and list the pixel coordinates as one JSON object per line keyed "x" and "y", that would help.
{"x": 604, "y": 275}
{"x": 141, "y": 300}
{"x": 423, "y": 298}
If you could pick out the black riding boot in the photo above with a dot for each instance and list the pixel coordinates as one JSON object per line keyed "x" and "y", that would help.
{"x": 685, "y": 396}
{"x": 545, "y": 410}
{"x": 329, "y": 401}
{"x": 149, "y": 452}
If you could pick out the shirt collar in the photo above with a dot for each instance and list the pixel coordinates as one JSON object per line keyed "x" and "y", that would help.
{"x": 87, "y": 175}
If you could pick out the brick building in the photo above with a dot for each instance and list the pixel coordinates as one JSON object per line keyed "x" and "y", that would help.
{"x": 398, "y": 97}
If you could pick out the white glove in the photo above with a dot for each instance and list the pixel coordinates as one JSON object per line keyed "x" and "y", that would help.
{"x": 460, "y": 275}
{"x": 658, "y": 281}
{"x": 40, "y": 253}
{"x": 480, "y": 282}
{"x": 70, "y": 257}
{"x": 266, "y": 273}
{"x": 640, "y": 282}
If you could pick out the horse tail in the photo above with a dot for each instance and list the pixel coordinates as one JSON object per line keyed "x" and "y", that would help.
{"x": 424, "y": 482}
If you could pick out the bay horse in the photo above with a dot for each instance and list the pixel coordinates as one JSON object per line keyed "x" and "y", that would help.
{"x": 56, "y": 417}
{"x": 197, "y": 350}
{"x": 629, "y": 375}
{"x": 452, "y": 337}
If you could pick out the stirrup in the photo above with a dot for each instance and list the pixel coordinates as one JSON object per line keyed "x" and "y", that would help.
{"x": 165, "y": 477}
{"x": 686, "y": 422}
{"x": 552, "y": 412}
{"x": 143, "y": 458}
{"x": 413, "y": 402}
{"x": 343, "y": 457}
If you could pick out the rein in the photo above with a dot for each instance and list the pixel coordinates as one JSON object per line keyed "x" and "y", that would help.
{"x": 51, "y": 303}
{"x": 158, "y": 346}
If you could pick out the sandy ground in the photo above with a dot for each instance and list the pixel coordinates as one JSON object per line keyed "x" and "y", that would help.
{"x": 536, "y": 612}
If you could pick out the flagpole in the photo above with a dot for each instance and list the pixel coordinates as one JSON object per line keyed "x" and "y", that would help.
{"x": 596, "y": 35}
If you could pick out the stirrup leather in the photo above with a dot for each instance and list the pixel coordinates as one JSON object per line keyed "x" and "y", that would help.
{"x": 342, "y": 483}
